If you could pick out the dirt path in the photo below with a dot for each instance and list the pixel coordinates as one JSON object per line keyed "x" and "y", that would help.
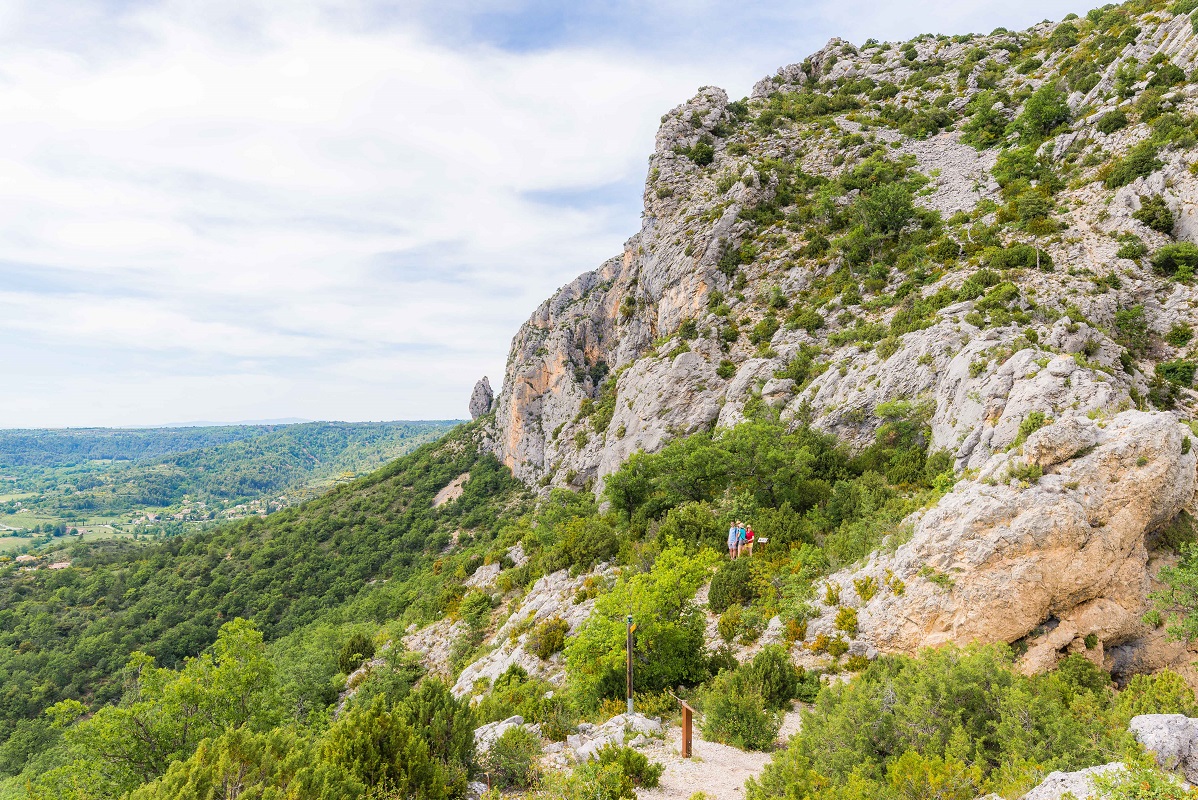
{"x": 717, "y": 770}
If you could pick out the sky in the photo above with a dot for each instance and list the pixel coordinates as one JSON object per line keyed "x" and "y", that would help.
{"x": 240, "y": 209}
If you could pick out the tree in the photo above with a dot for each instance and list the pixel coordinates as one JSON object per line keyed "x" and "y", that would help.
{"x": 382, "y": 750}
{"x": 669, "y": 637}
{"x": 1043, "y": 112}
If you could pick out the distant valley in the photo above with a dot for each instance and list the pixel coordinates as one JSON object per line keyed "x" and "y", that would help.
{"x": 98, "y": 483}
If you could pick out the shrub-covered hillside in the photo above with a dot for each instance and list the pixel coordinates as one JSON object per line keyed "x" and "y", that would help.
{"x": 919, "y": 313}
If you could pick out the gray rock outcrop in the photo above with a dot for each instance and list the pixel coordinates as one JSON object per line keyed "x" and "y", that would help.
{"x": 1079, "y": 784}
{"x": 1059, "y": 560}
{"x": 481, "y": 398}
{"x": 1172, "y": 739}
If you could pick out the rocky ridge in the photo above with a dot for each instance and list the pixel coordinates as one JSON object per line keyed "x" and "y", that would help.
{"x": 1040, "y": 294}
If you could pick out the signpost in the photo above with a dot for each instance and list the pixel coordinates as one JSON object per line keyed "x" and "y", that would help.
{"x": 631, "y": 630}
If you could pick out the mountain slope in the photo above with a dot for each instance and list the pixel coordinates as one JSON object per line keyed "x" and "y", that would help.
{"x": 909, "y": 214}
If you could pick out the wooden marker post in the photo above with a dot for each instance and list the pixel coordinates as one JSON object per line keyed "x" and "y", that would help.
{"x": 688, "y": 716}
{"x": 687, "y": 713}
{"x": 631, "y": 630}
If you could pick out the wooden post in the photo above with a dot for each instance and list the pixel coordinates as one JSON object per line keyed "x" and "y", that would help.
{"x": 688, "y": 716}
{"x": 686, "y": 730}
{"x": 628, "y": 676}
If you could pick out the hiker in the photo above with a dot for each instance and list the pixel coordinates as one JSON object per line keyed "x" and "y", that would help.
{"x": 740, "y": 539}
{"x": 747, "y": 547}
{"x": 733, "y": 539}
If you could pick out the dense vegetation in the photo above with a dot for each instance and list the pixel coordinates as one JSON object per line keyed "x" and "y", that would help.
{"x": 362, "y": 553}
{"x": 957, "y": 724}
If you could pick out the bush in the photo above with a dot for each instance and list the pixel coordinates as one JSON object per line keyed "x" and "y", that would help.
{"x": 669, "y": 636}
{"x": 1179, "y": 372}
{"x": 775, "y": 675}
{"x": 582, "y": 543}
{"x": 512, "y": 761}
{"x": 1139, "y": 162}
{"x": 735, "y": 713}
{"x": 1131, "y": 247}
{"x": 475, "y": 609}
{"x": 446, "y": 723}
{"x": 730, "y": 623}
{"x": 358, "y": 648}
{"x": 1167, "y": 75}
{"x": 548, "y": 638}
{"x": 1180, "y": 334}
{"x": 731, "y": 585}
{"x": 1155, "y": 213}
{"x": 1131, "y": 329}
{"x": 1164, "y": 692}
{"x": 1178, "y": 260}
{"x": 948, "y": 705}
{"x": 1112, "y": 121}
{"x": 643, "y": 773}
{"x": 1043, "y": 112}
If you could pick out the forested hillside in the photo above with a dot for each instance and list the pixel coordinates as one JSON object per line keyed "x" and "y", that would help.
{"x": 72, "y": 477}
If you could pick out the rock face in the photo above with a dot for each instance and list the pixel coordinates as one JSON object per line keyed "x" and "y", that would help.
{"x": 666, "y": 338}
{"x": 1172, "y": 738}
{"x": 551, "y": 596}
{"x": 481, "y": 398}
{"x": 1058, "y": 561}
{"x": 739, "y": 292}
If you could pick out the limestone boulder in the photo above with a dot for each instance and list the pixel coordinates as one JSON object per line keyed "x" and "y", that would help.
{"x": 1172, "y": 739}
{"x": 1059, "y": 561}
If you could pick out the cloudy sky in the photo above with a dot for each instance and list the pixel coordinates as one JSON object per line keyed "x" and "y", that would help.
{"x": 229, "y": 210}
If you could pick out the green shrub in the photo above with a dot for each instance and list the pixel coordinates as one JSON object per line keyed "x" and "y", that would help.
{"x": 582, "y": 543}
{"x": 1131, "y": 329}
{"x": 512, "y": 761}
{"x": 775, "y": 675}
{"x": 726, "y": 369}
{"x": 1112, "y": 121}
{"x": 1180, "y": 334}
{"x": 1179, "y": 372}
{"x": 731, "y": 585}
{"x": 635, "y": 765}
{"x": 1139, "y": 162}
{"x": 846, "y": 620}
{"x": 1167, "y": 75}
{"x": 475, "y": 609}
{"x": 887, "y": 347}
{"x": 734, "y": 713}
{"x": 383, "y": 751}
{"x": 1163, "y": 692}
{"x": 949, "y": 706}
{"x": 446, "y": 723}
{"x": 357, "y": 649}
{"x": 1155, "y": 213}
{"x": 1177, "y": 260}
{"x": 1131, "y": 247}
{"x": 1043, "y": 112}
{"x": 730, "y": 624}
{"x": 548, "y": 638}
{"x": 670, "y": 629}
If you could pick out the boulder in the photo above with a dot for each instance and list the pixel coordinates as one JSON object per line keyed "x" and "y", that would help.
{"x": 1059, "y": 561}
{"x": 487, "y": 735}
{"x": 1172, "y": 739}
{"x": 1078, "y": 785}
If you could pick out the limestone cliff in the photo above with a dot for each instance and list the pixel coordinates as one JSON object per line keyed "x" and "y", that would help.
{"x": 1047, "y": 279}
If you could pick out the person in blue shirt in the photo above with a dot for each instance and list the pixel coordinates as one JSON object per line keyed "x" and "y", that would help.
{"x": 733, "y": 539}
{"x": 740, "y": 539}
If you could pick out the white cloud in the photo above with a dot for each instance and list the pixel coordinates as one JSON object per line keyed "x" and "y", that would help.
{"x": 257, "y": 209}
{"x": 252, "y": 219}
